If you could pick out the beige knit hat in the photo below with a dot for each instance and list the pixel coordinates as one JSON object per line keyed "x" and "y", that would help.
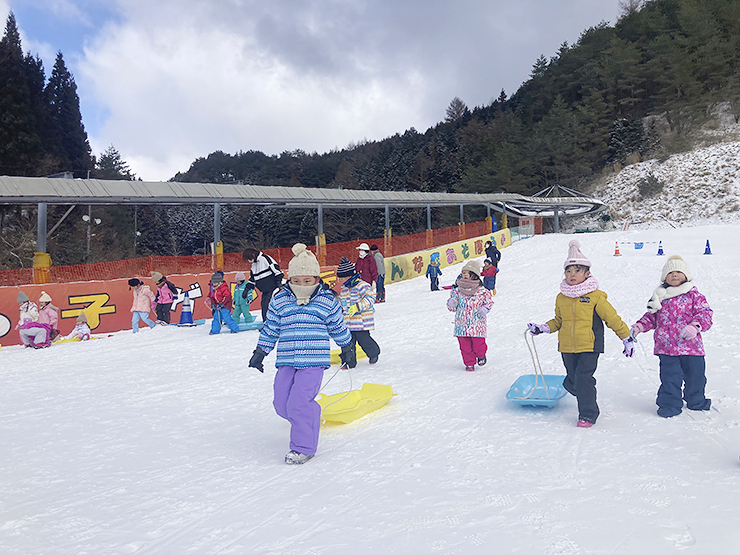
{"x": 675, "y": 264}
{"x": 44, "y": 298}
{"x": 156, "y": 276}
{"x": 304, "y": 262}
{"x": 82, "y": 317}
{"x": 473, "y": 266}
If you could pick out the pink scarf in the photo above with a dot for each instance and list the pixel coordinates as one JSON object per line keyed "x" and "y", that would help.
{"x": 468, "y": 287}
{"x": 575, "y": 291}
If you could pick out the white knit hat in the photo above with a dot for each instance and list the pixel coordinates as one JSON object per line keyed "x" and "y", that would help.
{"x": 473, "y": 266}
{"x": 44, "y": 298}
{"x": 304, "y": 262}
{"x": 240, "y": 276}
{"x": 575, "y": 256}
{"x": 675, "y": 264}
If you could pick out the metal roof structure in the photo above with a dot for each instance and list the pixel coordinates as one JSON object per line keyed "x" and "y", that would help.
{"x": 32, "y": 190}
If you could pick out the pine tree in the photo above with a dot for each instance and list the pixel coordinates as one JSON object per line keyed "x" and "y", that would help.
{"x": 19, "y": 140}
{"x": 68, "y": 138}
{"x": 111, "y": 165}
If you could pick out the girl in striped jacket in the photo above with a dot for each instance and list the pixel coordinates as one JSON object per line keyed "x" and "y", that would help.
{"x": 301, "y": 319}
{"x": 358, "y": 300}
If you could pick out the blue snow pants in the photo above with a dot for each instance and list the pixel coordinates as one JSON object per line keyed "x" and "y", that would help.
{"x": 223, "y": 315}
{"x": 675, "y": 372}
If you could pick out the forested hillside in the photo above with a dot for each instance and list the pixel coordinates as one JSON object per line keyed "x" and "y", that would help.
{"x": 621, "y": 94}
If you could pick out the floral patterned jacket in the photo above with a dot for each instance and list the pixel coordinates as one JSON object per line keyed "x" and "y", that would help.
{"x": 674, "y": 315}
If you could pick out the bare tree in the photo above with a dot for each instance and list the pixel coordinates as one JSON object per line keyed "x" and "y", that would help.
{"x": 455, "y": 111}
{"x": 628, "y": 7}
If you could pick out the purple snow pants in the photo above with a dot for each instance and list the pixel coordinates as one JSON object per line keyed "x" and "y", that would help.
{"x": 295, "y": 391}
{"x": 472, "y": 348}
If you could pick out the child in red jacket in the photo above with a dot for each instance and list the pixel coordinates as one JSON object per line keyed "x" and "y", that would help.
{"x": 220, "y": 303}
{"x": 489, "y": 275}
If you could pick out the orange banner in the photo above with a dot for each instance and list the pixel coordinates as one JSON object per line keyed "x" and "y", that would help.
{"x": 107, "y": 304}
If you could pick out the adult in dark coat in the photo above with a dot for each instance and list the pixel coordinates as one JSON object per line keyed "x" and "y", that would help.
{"x": 265, "y": 276}
{"x": 493, "y": 253}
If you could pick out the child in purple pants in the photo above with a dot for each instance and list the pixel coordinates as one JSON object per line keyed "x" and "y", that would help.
{"x": 301, "y": 318}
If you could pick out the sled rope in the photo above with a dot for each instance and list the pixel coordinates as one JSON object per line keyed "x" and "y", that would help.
{"x": 342, "y": 397}
{"x": 537, "y": 367}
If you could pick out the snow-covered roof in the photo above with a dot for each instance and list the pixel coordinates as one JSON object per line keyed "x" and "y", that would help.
{"x": 28, "y": 190}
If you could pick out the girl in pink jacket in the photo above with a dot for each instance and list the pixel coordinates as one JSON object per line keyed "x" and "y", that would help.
{"x": 143, "y": 300}
{"x": 678, "y": 313}
{"x": 471, "y": 303}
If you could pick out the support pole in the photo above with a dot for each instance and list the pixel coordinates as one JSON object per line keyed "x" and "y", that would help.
{"x": 388, "y": 236}
{"x": 218, "y": 246}
{"x": 321, "y": 238}
{"x": 489, "y": 220}
{"x": 41, "y": 228}
{"x": 430, "y": 233}
{"x": 461, "y": 225}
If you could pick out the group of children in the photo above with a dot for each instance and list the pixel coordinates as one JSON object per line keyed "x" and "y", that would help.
{"x": 37, "y": 324}
{"x": 305, "y": 314}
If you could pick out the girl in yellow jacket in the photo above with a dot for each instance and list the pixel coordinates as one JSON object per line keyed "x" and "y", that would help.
{"x": 581, "y": 310}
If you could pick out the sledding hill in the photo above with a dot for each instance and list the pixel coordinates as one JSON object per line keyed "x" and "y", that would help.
{"x": 165, "y": 442}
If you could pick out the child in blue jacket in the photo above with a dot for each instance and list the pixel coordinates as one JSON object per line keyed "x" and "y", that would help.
{"x": 301, "y": 318}
{"x": 433, "y": 271}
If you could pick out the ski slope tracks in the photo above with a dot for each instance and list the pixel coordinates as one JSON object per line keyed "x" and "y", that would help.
{"x": 165, "y": 442}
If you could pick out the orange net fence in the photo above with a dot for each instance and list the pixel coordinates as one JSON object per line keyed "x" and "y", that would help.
{"x": 229, "y": 262}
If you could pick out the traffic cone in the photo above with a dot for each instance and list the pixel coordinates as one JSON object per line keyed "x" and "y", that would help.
{"x": 186, "y": 316}
{"x": 616, "y": 249}
{"x": 707, "y": 249}
{"x": 660, "y": 248}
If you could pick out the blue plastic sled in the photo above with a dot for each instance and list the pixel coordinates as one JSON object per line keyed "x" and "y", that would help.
{"x": 195, "y": 322}
{"x": 530, "y": 390}
{"x": 254, "y": 325}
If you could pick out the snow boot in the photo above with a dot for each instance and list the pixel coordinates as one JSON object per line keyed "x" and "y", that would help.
{"x": 584, "y": 424}
{"x": 469, "y": 368}
{"x": 294, "y": 457}
{"x": 482, "y": 361}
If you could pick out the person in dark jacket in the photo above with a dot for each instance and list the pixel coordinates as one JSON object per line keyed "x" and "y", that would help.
{"x": 492, "y": 253}
{"x": 265, "y": 276}
{"x": 380, "y": 283}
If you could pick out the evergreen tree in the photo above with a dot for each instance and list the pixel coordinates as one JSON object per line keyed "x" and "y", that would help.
{"x": 456, "y": 111}
{"x": 19, "y": 140}
{"x": 68, "y": 138}
{"x": 110, "y": 165}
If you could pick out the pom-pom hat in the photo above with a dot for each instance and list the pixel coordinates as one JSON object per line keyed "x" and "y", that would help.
{"x": 45, "y": 297}
{"x": 304, "y": 262}
{"x": 345, "y": 268}
{"x": 675, "y": 264}
{"x": 575, "y": 256}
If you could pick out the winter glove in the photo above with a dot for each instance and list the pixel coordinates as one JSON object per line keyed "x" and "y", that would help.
{"x": 536, "y": 329}
{"x": 636, "y": 329}
{"x": 483, "y": 311}
{"x": 451, "y": 304}
{"x": 629, "y": 347}
{"x": 352, "y": 310}
{"x": 690, "y": 332}
{"x": 256, "y": 361}
{"x": 154, "y": 305}
{"x": 247, "y": 293}
{"x": 348, "y": 357}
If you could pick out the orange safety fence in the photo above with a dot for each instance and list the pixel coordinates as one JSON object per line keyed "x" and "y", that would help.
{"x": 232, "y": 262}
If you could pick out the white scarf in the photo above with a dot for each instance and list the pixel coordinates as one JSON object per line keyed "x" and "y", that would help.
{"x": 662, "y": 293}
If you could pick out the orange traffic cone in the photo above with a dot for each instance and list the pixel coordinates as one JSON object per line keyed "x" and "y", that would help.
{"x": 616, "y": 249}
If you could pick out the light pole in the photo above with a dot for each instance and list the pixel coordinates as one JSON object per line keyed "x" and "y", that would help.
{"x": 89, "y": 221}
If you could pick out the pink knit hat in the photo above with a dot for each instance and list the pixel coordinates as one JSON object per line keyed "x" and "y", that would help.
{"x": 575, "y": 256}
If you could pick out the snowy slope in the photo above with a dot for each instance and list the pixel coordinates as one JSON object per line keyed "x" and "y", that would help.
{"x": 165, "y": 442}
{"x": 699, "y": 187}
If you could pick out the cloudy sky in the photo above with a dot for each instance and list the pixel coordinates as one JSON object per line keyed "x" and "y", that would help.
{"x": 168, "y": 81}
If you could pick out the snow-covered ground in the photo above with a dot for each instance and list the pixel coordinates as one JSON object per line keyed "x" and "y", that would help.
{"x": 699, "y": 187}
{"x": 166, "y": 443}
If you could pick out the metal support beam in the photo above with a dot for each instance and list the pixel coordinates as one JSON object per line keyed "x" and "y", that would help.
{"x": 429, "y": 216}
{"x": 321, "y": 219}
{"x": 488, "y": 210}
{"x": 387, "y": 219}
{"x": 41, "y": 228}
{"x": 216, "y": 226}
{"x": 462, "y": 215}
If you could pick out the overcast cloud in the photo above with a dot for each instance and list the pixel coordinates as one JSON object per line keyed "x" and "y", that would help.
{"x": 172, "y": 80}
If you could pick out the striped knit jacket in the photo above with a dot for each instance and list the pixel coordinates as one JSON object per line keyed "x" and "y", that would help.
{"x": 302, "y": 332}
{"x": 356, "y": 291}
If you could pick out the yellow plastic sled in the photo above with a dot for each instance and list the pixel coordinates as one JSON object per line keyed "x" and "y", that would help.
{"x": 343, "y": 408}
{"x": 335, "y": 355}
